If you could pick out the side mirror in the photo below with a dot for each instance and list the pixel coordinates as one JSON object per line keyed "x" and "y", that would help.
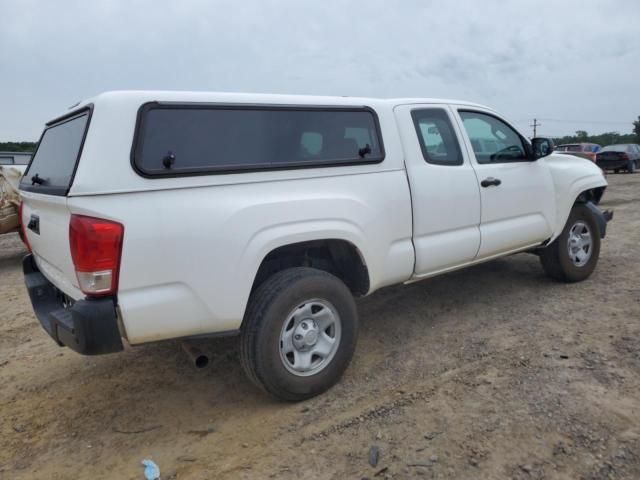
{"x": 542, "y": 147}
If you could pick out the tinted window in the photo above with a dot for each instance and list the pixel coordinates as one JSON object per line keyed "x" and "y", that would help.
{"x": 493, "y": 140}
{"x": 613, "y": 148}
{"x": 437, "y": 139}
{"x": 175, "y": 139}
{"x": 55, "y": 159}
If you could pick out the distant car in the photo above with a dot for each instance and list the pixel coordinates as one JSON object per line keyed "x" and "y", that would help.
{"x": 619, "y": 157}
{"x": 584, "y": 150}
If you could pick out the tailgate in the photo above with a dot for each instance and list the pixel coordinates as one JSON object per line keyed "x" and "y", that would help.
{"x": 46, "y": 227}
{"x": 611, "y": 156}
{"x": 44, "y": 188}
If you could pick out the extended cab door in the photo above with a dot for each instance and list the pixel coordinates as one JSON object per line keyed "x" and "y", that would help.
{"x": 517, "y": 193}
{"x": 444, "y": 189}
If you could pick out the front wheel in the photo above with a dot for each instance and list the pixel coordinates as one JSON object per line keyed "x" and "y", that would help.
{"x": 299, "y": 333}
{"x": 631, "y": 167}
{"x": 573, "y": 256}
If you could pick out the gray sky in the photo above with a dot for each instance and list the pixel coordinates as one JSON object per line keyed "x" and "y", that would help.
{"x": 568, "y": 60}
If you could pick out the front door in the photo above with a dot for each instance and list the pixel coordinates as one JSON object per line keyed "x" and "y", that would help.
{"x": 517, "y": 193}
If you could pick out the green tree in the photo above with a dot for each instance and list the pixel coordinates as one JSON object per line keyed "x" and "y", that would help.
{"x": 582, "y": 134}
{"x": 602, "y": 139}
{"x": 17, "y": 146}
{"x": 636, "y": 129}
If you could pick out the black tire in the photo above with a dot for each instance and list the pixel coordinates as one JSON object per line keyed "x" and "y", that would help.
{"x": 555, "y": 258}
{"x": 631, "y": 167}
{"x": 616, "y": 170}
{"x": 270, "y": 307}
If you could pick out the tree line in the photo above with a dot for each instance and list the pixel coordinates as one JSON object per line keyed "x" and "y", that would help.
{"x": 17, "y": 146}
{"x": 608, "y": 138}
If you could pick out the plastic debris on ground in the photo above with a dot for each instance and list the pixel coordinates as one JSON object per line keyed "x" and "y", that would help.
{"x": 151, "y": 470}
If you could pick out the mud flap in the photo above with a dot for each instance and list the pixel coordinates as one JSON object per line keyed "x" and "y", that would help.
{"x": 602, "y": 218}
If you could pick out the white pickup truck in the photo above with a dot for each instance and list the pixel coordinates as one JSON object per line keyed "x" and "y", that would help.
{"x": 159, "y": 215}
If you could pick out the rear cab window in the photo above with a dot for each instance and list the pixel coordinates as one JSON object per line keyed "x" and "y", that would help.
{"x": 54, "y": 162}
{"x": 174, "y": 139}
{"x": 438, "y": 141}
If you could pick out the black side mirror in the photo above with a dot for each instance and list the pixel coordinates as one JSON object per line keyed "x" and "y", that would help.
{"x": 542, "y": 147}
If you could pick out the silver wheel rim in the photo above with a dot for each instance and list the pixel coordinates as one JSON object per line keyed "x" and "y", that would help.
{"x": 580, "y": 244}
{"x": 310, "y": 337}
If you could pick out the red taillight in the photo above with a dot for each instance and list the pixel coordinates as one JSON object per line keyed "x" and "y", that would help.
{"x": 96, "y": 245}
{"x": 624, "y": 156}
{"x": 23, "y": 234}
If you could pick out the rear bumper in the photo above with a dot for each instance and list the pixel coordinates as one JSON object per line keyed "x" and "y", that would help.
{"x": 612, "y": 164}
{"x": 89, "y": 326}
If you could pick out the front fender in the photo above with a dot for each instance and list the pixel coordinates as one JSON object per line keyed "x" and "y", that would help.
{"x": 571, "y": 176}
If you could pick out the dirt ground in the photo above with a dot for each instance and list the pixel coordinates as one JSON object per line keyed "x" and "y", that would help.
{"x": 491, "y": 372}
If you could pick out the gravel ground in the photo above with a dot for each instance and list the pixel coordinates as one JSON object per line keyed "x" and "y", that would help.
{"x": 491, "y": 372}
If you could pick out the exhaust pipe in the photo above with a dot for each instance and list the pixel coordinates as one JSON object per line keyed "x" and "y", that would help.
{"x": 198, "y": 358}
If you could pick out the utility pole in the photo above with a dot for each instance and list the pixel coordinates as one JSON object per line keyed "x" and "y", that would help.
{"x": 535, "y": 126}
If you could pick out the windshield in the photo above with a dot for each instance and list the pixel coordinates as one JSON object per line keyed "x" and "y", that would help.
{"x": 570, "y": 148}
{"x": 52, "y": 167}
{"x": 615, "y": 148}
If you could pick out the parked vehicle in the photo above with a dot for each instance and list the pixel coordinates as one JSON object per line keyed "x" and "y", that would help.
{"x": 15, "y": 158}
{"x": 619, "y": 157}
{"x": 158, "y": 215}
{"x": 584, "y": 150}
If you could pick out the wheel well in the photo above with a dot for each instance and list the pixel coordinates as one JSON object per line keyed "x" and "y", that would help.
{"x": 338, "y": 257}
{"x": 592, "y": 195}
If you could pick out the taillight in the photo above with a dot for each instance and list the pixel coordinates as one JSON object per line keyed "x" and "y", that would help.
{"x": 624, "y": 156}
{"x": 96, "y": 245}
{"x": 23, "y": 234}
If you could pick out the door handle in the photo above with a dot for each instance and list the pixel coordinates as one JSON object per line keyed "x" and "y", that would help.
{"x": 490, "y": 182}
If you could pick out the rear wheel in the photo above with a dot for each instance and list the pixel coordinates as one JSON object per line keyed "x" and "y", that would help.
{"x": 299, "y": 333}
{"x": 573, "y": 256}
